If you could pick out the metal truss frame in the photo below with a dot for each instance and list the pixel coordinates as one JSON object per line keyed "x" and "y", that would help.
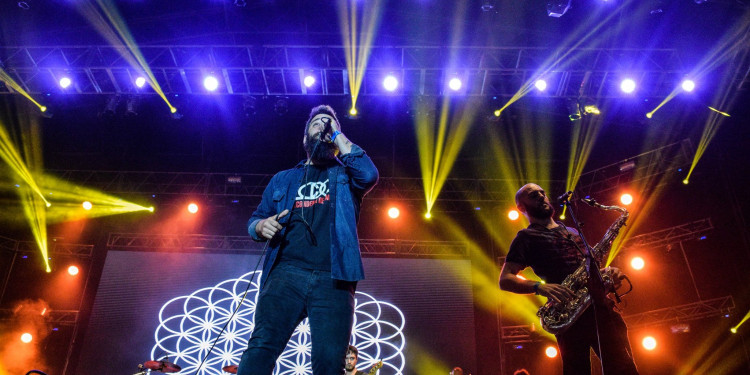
{"x": 641, "y": 167}
{"x": 55, "y": 317}
{"x": 679, "y": 233}
{"x": 54, "y": 247}
{"x": 368, "y": 247}
{"x": 682, "y": 313}
{"x": 279, "y": 69}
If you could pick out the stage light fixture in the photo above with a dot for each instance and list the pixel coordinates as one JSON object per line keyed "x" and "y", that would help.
{"x": 487, "y": 6}
{"x": 65, "y": 82}
{"x": 574, "y": 111}
{"x": 26, "y": 338}
{"x": 627, "y": 85}
{"x": 513, "y": 215}
{"x": 649, "y": 343}
{"x": 309, "y": 80}
{"x": 131, "y": 106}
{"x": 249, "y": 106}
{"x": 540, "y": 84}
{"x": 353, "y": 111}
{"x": 210, "y": 83}
{"x": 455, "y": 84}
{"x": 733, "y": 330}
{"x": 393, "y": 212}
{"x": 87, "y": 205}
{"x": 688, "y": 85}
{"x": 111, "y": 106}
{"x": 281, "y": 107}
{"x": 192, "y": 208}
{"x": 390, "y": 83}
{"x": 428, "y": 216}
{"x": 637, "y": 263}
{"x": 73, "y": 270}
{"x": 626, "y": 199}
{"x": 140, "y": 82}
{"x": 556, "y": 8}
{"x": 551, "y": 351}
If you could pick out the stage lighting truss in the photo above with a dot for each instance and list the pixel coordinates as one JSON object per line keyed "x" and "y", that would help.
{"x": 280, "y": 70}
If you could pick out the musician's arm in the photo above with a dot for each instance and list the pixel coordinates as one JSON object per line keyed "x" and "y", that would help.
{"x": 511, "y": 283}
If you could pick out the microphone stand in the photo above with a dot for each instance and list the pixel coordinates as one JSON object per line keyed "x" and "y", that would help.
{"x": 595, "y": 284}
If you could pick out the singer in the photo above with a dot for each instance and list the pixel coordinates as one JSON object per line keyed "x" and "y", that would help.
{"x": 554, "y": 251}
{"x": 309, "y": 216}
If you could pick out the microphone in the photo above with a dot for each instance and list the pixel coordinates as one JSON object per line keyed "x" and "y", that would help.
{"x": 326, "y": 129}
{"x": 564, "y": 198}
{"x": 590, "y": 201}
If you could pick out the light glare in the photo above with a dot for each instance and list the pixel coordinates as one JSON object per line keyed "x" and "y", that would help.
{"x": 688, "y": 85}
{"x": 65, "y": 82}
{"x": 87, "y": 205}
{"x": 192, "y": 208}
{"x": 637, "y": 263}
{"x": 627, "y": 86}
{"x": 73, "y": 270}
{"x": 390, "y": 83}
{"x": 140, "y": 82}
{"x": 455, "y": 84}
{"x": 513, "y": 215}
{"x": 393, "y": 212}
{"x": 551, "y": 352}
{"x": 649, "y": 343}
{"x": 626, "y": 199}
{"x": 309, "y": 81}
{"x": 26, "y": 338}
{"x": 211, "y": 83}
{"x": 540, "y": 84}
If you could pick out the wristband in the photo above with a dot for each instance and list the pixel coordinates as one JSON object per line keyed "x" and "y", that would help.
{"x": 536, "y": 287}
{"x": 334, "y": 135}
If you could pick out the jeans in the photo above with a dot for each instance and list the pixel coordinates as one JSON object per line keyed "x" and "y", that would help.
{"x": 289, "y": 296}
{"x": 575, "y": 342}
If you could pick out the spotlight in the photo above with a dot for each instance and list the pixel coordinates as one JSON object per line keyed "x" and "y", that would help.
{"x": 540, "y": 84}
{"x": 26, "y": 338}
{"x": 308, "y": 81}
{"x": 574, "y": 111}
{"x": 73, "y": 270}
{"x": 281, "y": 107}
{"x": 192, "y": 208}
{"x": 87, "y": 205}
{"x": 626, "y": 199}
{"x": 627, "y": 85}
{"x": 551, "y": 351}
{"x": 393, "y": 212}
{"x": 688, "y": 85}
{"x": 140, "y": 82}
{"x": 562, "y": 216}
{"x": 685, "y": 181}
{"x": 390, "y": 83}
{"x": 211, "y": 83}
{"x": 650, "y": 115}
{"x": 733, "y": 330}
{"x": 556, "y": 8}
{"x": 65, "y": 82}
{"x": 353, "y": 111}
{"x": 649, "y": 343}
{"x": 428, "y": 215}
{"x": 455, "y": 84}
{"x": 513, "y": 215}
{"x": 637, "y": 263}
{"x": 487, "y": 6}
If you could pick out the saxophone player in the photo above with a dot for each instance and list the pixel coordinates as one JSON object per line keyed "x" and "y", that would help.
{"x": 554, "y": 251}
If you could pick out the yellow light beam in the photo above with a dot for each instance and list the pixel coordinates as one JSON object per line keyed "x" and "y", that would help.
{"x": 117, "y": 34}
{"x": 11, "y": 83}
{"x": 12, "y": 157}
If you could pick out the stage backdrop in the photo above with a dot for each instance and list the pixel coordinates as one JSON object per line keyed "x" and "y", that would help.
{"x": 155, "y": 305}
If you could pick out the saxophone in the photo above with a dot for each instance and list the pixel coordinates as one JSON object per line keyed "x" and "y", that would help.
{"x": 558, "y": 317}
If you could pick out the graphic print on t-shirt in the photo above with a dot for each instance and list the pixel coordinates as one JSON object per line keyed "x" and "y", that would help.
{"x": 312, "y": 193}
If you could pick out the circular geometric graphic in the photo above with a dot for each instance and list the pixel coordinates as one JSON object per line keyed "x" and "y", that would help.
{"x": 188, "y": 326}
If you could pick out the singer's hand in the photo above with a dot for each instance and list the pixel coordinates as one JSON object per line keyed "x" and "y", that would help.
{"x": 329, "y": 128}
{"x": 267, "y": 228}
{"x": 556, "y": 292}
{"x": 617, "y": 275}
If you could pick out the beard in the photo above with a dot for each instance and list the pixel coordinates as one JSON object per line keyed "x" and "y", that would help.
{"x": 318, "y": 150}
{"x": 540, "y": 211}
{"x": 349, "y": 367}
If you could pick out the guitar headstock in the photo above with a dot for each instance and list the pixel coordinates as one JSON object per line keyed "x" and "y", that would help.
{"x": 375, "y": 367}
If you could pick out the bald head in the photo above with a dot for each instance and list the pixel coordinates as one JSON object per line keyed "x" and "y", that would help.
{"x": 532, "y": 200}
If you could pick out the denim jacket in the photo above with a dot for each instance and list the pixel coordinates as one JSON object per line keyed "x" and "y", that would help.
{"x": 354, "y": 176}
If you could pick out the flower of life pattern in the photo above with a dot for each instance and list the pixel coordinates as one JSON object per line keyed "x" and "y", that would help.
{"x": 188, "y": 326}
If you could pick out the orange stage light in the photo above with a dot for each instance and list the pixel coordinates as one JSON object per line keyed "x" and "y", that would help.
{"x": 551, "y": 351}
{"x": 192, "y": 208}
{"x": 73, "y": 270}
{"x": 637, "y": 263}
{"x": 87, "y": 205}
{"x": 649, "y": 343}
{"x": 513, "y": 215}
{"x": 393, "y": 212}
{"x": 626, "y": 199}
{"x": 26, "y": 337}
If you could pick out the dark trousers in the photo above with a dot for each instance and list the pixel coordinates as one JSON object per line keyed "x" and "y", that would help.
{"x": 291, "y": 294}
{"x": 574, "y": 345}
